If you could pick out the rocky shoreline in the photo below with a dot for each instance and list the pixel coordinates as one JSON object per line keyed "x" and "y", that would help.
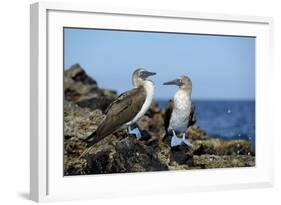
{"x": 84, "y": 103}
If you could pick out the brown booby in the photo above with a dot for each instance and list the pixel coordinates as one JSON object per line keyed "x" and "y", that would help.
{"x": 180, "y": 113}
{"x": 128, "y": 108}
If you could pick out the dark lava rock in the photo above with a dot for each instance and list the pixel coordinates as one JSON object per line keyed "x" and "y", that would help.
{"x": 76, "y": 73}
{"x": 138, "y": 157}
{"x": 182, "y": 155}
{"x": 99, "y": 163}
{"x": 80, "y": 122}
{"x": 95, "y": 103}
{"x": 128, "y": 155}
{"x": 83, "y": 90}
{"x": 224, "y": 161}
{"x": 215, "y": 146}
{"x": 73, "y": 166}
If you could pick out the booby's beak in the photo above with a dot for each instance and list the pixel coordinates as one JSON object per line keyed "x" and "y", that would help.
{"x": 145, "y": 74}
{"x": 173, "y": 82}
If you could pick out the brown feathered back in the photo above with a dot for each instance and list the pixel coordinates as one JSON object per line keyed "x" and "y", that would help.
{"x": 192, "y": 116}
{"x": 121, "y": 111}
{"x": 168, "y": 113}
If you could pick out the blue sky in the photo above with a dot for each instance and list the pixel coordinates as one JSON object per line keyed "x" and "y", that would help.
{"x": 220, "y": 67}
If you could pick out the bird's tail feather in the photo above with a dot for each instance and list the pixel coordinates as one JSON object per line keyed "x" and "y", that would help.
{"x": 91, "y": 139}
{"x": 85, "y": 152}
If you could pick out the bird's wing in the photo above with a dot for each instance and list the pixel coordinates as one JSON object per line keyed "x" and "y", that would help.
{"x": 168, "y": 114}
{"x": 121, "y": 111}
{"x": 192, "y": 117}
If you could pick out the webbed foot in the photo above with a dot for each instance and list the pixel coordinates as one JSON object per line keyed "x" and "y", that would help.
{"x": 176, "y": 141}
{"x": 135, "y": 132}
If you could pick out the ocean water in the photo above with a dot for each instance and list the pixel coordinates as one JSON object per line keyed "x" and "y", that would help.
{"x": 225, "y": 119}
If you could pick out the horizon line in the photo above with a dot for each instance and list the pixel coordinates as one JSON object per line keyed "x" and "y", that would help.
{"x": 212, "y": 99}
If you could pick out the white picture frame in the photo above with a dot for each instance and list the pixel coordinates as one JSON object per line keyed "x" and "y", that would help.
{"x": 47, "y": 182}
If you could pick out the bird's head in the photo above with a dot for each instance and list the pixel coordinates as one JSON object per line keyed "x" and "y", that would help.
{"x": 183, "y": 82}
{"x": 140, "y": 75}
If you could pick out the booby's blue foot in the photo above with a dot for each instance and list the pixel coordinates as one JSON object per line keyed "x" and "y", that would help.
{"x": 187, "y": 143}
{"x": 135, "y": 132}
{"x": 176, "y": 141}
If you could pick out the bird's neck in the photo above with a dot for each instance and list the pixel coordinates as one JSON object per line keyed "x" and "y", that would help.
{"x": 186, "y": 91}
{"x": 183, "y": 94}
{"x": 149, "y": 87}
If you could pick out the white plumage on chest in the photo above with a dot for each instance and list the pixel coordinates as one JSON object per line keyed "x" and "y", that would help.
{"x": 181, "y": 111}
{"x": 149, "y": 89}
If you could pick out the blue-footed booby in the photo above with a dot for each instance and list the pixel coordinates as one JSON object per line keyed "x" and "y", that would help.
{"x": 128, "y": 108}
{"x": 180, "y": 113}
